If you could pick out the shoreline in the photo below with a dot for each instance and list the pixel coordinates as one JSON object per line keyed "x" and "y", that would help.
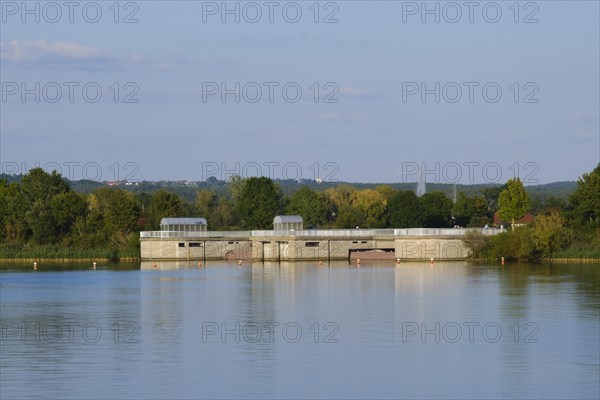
{"x": 67, "y": 260}
{"x": 572, "y": 260}
{"x": 137, "y": 259}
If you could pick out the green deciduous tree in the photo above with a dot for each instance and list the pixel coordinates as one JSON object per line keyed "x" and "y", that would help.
{"x": 437, "y": 208}
{"x": 120, "y": 211}
{"x": 165, "y": 204}
{"x": 349, "y": 217}
{"x": 314, "y": 207}
{"x": 223, "y": 216}
{"x": 549, "y": 234}
{"x": 40, "y": 185}
{"x": 405, "y": 210}
{"x": 585, "y": 200}
{"x": 65, "y": 209}
{"x": 463, "y": 209}
{"x": 372, "y": 205}
{"x": 37, "y": 190}
{"x": 341, "y": 195}
{"x": 206, "y": 200}
{"x": 513, "y": 202}
{"x": 260, "y": 200}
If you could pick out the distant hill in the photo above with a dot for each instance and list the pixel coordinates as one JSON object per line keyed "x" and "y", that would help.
{"x": 187, "y": 190}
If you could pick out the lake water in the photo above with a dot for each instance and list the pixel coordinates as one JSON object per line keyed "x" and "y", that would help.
{"x": 300, "y": 330}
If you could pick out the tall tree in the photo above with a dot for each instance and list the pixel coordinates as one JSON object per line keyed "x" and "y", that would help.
{"x": 372, "y": 205}
{"x": 206, "y": 201}
{"x": 405, "y": 210}
{"x": 585, "y": 200}
{"x": 491, "y": 195}
{"x": 40, "y": 185}
{"x": 463, "y": 209}
{"x": 38, "y": 188}
{"x": 260, "y": 200}
{"x": 65, "y": 209}
{"x": 549, "y": 234}
{"x": 223, "y": 217}
{"x": 314, "y": 207}
{"x": 341, "y": 195}
{"x": 165, "y": 204}
{"x": 350, "y": 217}
{"x": 437, "y": 208}
{"x": 513, "y": 202}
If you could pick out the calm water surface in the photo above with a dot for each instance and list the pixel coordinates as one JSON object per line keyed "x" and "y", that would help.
{"x": 451, "y": 330}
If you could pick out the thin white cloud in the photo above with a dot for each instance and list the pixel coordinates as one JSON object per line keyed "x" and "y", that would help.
{"x": 351, "y": 91}
{"x": 40, "y": 50}
{"x": 44, "y": 54}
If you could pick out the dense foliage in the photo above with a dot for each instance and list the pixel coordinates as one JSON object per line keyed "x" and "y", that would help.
{"x": 43, "y": 211}
{"x": 560, "y": 229}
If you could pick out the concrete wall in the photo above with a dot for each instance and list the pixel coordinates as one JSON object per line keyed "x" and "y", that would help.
{"x": 169, "y": 249}
{"x": 293, "y": 248}
{"x": 421, "y": 248}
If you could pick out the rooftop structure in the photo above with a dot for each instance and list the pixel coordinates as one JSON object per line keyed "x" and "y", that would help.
{"x": 183, "y": 225}
{"x": 288, "y": 222}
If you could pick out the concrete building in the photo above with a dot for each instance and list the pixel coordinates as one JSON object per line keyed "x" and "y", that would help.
{"x": 311, "y": 244}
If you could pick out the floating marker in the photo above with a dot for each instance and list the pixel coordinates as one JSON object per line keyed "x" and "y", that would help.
{"x": 431, "y": 260}
{"x": 35, "y": 266}
{"x": 200, "y": 264}
{"x": 397, "y": 261}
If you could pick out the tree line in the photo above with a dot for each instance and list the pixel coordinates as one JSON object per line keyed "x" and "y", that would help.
{"x": 560, "y": 229}
{"x": 42, "y": 209}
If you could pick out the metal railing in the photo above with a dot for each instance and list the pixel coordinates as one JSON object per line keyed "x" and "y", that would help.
{"x": 347, "y": 233}
{"x": 326, "y": 233}
{"x": 207, "y": 234}
{"x": 444, "y": 231}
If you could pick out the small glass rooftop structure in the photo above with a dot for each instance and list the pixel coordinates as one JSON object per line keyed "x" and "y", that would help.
{"x": 287, "y": 222}
{"x": 183, "y": 225}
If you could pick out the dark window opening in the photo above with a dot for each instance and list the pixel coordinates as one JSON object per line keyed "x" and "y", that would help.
{"x": 181, "y": 244}
{"x": 312, "y": 244}
{"x": 195, "y": 244}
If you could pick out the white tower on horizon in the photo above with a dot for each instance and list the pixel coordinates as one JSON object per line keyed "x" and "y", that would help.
{"x": 421, "y": 187}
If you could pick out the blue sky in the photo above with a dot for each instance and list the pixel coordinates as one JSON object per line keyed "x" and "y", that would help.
{"x": 370, "y": 62}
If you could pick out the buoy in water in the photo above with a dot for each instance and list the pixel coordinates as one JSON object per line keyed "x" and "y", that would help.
{"x": 502, "y": 260}
{"x": 94, "y": 264}
{"x": 397, "y": 261}
{"x": 34, "y": 266}
{"x": 199, "y": 264}
{"x": 154, "y": 265}
{"x": 431, "y": 260}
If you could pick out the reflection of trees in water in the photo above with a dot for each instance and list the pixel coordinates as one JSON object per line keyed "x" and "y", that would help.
{"x": 517, "y": 280}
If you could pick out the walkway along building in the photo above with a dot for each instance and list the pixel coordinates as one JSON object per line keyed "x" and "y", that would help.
{"x": 178, "y": 241}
